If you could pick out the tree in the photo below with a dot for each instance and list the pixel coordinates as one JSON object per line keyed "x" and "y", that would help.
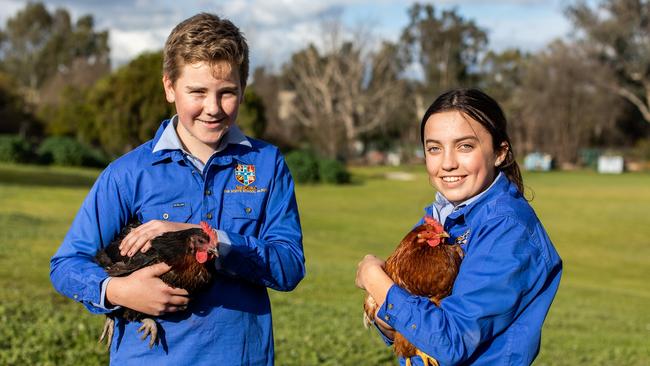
{"x": 617, "y": 35}
{"x": 129, "y": 104}
{"x": 342, "y": 92}
{"x": 72, "y": 116}
{"x": 38, "y": 45}
{"x": 562, "y": 110}
{"x": 502, "y": 76}
{"x": 15, "y": 117}
{"x": 267, "y": 87}
{"x": 445, "y": 47}
{"x": 252, "y": 116}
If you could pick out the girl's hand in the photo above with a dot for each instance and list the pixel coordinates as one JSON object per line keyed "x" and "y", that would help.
{"x": 372, "y": 278}
{"x": 368, "y": 269}
{"x": 140, "y": 237}
{"x": 145, "y": 292}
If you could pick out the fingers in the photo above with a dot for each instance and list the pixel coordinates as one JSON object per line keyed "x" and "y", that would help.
{"x": 158, "y": 269}
{"x": 366, "y": 267}
{"x": 140, "y": 238}
{"x": 176, "y": 303}
{"x": 178, "y": 292}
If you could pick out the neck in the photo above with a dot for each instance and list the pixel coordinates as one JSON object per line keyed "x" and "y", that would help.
{"x": 195, "y": 146}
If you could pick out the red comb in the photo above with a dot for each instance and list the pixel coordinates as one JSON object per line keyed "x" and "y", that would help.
{"x": 433, "y": 222}
{"x": 209, "y": 232}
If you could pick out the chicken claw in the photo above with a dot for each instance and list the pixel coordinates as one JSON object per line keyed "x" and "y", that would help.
{"x": 149, "y": 328}
{"x": 107, "y": 331}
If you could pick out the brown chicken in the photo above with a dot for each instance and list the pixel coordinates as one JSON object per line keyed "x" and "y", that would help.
{"x": 185, "y": 251}
{"x": 424, "y": 265}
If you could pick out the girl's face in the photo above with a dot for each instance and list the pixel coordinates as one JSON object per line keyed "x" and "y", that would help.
{"x": 460, "y": 159}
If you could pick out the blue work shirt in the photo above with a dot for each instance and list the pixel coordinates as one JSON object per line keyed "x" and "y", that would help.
{"x": 506, "y": 284}
{"x": 246, "y": 191}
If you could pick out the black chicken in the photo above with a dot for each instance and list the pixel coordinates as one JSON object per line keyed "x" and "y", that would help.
{"x": 185, "y": 251}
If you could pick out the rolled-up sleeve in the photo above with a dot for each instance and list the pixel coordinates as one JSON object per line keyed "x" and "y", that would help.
{"x": 73, "y": 270}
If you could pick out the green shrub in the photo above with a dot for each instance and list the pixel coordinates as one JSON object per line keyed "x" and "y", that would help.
{"x": 642, "y": 150}
{"x": 14, "y": 149}
{"x": 303, "y": 165}
{"x": 333, "y": 171}
{"x": 307, "y": 167}
{"x": 61, "y": 150}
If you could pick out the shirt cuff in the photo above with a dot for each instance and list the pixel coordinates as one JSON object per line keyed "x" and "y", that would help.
{"x": 390, "y": 309}
{"x": 225, "y": 245}
{"x": 388, "y": 341}
{"x": 102, "y": 296}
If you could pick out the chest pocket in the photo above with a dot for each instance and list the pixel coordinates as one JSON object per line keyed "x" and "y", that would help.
{"x": 242, "y": 216}
{"x": 176, "y": 212}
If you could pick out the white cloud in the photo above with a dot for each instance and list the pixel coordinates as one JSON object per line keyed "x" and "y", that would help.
{"x": 125, "y": 45}
{"x": 276, "y": 29}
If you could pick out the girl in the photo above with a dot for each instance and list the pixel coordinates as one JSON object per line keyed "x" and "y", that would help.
{"x": 510, "y": 272}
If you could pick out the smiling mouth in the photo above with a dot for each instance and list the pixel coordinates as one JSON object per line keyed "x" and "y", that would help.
{"x": 451, "y": 179}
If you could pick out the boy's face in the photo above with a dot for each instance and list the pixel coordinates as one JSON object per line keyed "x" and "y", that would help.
{"x": 207, "y": 100}
{"x": 460, "y": 159}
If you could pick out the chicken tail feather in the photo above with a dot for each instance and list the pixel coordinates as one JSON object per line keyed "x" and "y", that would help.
{"x": 369, "y": 310}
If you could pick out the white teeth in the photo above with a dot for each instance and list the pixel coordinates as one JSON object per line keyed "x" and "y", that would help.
{"x": 450, "y": 179}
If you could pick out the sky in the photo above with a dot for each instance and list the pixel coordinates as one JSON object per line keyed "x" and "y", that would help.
{"x": 277, "y": 28}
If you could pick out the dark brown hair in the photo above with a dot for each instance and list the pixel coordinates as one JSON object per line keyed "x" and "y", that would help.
{"x": 205, "y": 38}
{"x": 477, "y": 105}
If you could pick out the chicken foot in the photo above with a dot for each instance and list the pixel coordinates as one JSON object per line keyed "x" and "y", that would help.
{"x": 107, "y": 331}
{"x": 149, "y": 328}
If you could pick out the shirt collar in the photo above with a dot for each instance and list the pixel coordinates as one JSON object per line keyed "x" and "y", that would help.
{"x": 444, "y": 208}
{"x": 169, "y": 139}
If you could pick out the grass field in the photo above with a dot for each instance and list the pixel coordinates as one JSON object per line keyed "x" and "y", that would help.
{"x": 600, "y": 225}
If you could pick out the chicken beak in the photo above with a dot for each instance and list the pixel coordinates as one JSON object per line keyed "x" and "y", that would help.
{"x": 214, "y": 251}
{"x": 443, "y": 235}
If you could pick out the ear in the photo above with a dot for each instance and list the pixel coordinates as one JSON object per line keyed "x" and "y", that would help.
{"x": 168, "y": 85}
{"x": 501, "y": 154}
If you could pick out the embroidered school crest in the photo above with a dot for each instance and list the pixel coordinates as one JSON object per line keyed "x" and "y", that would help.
{"x": 245, "y": 174}
{"x": 462, "y": 240}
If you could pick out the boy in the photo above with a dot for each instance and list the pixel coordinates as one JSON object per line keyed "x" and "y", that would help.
{"x": 198, "y": 167}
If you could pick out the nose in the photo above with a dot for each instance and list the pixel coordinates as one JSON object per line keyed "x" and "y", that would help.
{"x": 449, "y": 161}
{"x": 211, "y": 105}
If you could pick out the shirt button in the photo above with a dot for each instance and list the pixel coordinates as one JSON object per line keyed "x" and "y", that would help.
{"x": 387, "y": 317}
{"x": 165, "y": 216}
{"x": 208, "y": 192}
{"x": 390, "y": 306}
{"x": 209, "y": 216}
{"x": 413, "y": 326}
{"x": 248, "y": 210}
{"x": 76, "y": 296}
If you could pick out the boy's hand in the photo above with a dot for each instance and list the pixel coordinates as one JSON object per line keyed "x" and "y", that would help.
{"x": 143, "y": 291}
{"x": 140, "y": 237}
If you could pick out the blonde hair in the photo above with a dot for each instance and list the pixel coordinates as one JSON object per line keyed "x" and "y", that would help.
{"x": 207, "y": 38}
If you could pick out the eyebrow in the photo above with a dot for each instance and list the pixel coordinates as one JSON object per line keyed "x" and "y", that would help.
{"x": 202, "y": 88}
{"x": 468, "y": 137}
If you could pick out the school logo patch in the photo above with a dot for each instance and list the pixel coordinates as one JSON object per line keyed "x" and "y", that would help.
{"x": 245, "y": 174}
{"x": 462, "y": 240}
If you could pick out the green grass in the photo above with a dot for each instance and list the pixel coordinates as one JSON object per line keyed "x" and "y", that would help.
{"x": 600, "y": 225}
